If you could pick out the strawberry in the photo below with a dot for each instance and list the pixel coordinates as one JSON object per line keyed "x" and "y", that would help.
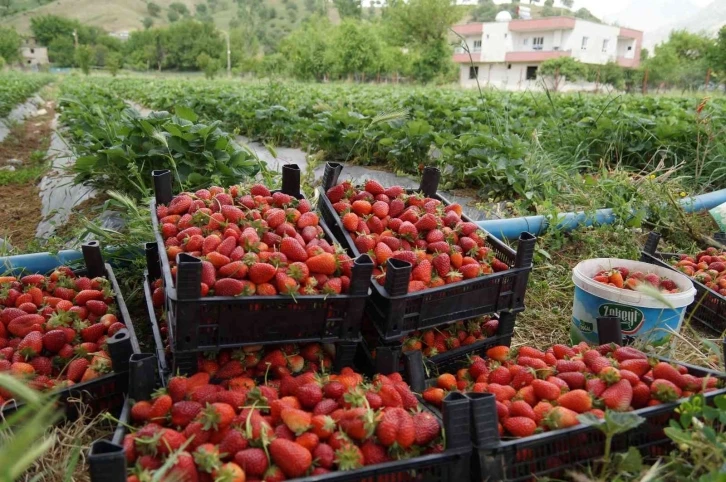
{"x": 350, "y": 222}
{"x": 520, "y": 426}
{"x": 31, "y": 345}
{"x": 639, "y": 366}
{"x": 93, "y": 332}
{"x": 396, "y": 426}
{"x": 229, "y": 287}
{"x": 82, "y": 297}
{"x": 76, "y": 369}
{"x": 296, "y": 420}
{"x": 293, "y": 459}
{"x": 664, "y": 390}
{"x": 561, "y": 417}
{"x": 546, "y": 390}
{"x": 97, "y": 307}
{"x": 576, "y": 400}
{"x": 324, "y": 263}
{"x": 434, "y": 396}
{"x": 618, "y": 396}
{"x": 427, "y": 428}
{"x": 324, "y": 455}
{"x": 309, "y": 395}
{"x": 253, "y": 461}
{"x": 668, "y": 372}
{"x": 140, "y": 411}
{"x": 261, "y": 273}
{"x": 160, "y": 408}
{"x": 182, "y": 413}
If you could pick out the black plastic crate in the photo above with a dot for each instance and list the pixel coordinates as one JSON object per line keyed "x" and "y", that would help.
{"x": 390, "y": 356}
{"x": 107, "y": 462}
{"x": 199, "y": 323}
{"x": 708, "y": 307}
{"x": 397, "y": 312}
{"x": 552, "y": 454}
{"x": 107, "y": 392}
{"x": 185, "y": 362}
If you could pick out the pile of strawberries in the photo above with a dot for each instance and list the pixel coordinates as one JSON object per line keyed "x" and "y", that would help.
{"x": 707, "y": 267}
{"x": 621, "y": 277}
{"x": 546, "y": 390}
{"x": 311, "y": 424}
{"x": 253, "y": 243}
{"x": 53, "y": 329}
{"x": 388, "y": 223}
{"x": 435, "y": 341}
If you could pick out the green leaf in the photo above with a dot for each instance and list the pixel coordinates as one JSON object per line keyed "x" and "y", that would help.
{"x": 631, "y": 461}
{"x": 185, "y": 113}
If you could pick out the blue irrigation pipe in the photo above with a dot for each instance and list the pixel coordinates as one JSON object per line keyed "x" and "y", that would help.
{"x": 38, "y": 262}
{"x": 511, "y": 228}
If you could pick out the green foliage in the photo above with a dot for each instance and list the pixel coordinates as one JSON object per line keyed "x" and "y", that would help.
{"x": 117, "y": 149}
{"x": 179, "y": 8}
{"x": 172, "y": 15}
{"x": 148, "y": 22}
{"x": 698, "y": 434}
{"x": 209, "y": 65}
{"x": 16, "y": 87}
{"x": 114, "y": 63}
{"x": 10, "y": 42}
{"x": 153, "y": 9}
{"x": 348, "y": 8}
{"x": 83, "y": 58}
{"x": 682, "y": 61}
{"x": 563, "y": 67}
{"x": 524, "y": 145}
{"x": 309, "y": 50}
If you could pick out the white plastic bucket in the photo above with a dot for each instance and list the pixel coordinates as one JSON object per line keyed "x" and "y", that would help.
{"x": 641, "y": 315}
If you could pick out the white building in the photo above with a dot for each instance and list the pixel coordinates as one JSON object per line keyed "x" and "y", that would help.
{"x": 506, "y": 54}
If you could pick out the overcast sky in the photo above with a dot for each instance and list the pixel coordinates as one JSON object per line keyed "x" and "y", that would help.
{"x": 610, "y": 7}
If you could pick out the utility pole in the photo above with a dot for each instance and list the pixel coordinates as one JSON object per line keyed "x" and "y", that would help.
{"x": 229, "y": 57}
{"x": 75, "y": 39}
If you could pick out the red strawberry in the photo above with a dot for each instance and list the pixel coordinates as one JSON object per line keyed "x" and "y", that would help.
{"x": 293, "y": 459}
{"x": 253, "y": 461}
{"x": 31, "y": 345}
{"x": 520, "y": 426}
{"x": 76, "y": 369}
{"x": 618, "y": 396}
{"x": 668, "y": 372}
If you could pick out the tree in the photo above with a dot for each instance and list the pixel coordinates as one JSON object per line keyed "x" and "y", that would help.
{"x": 83, "y": 58}
{"x": 186, "y": 39}
{"x": 148, "y": 22}
{"x": 100, "y": 53}
{"x": 585, "y": 14}
{"x": 153, "y": 9}
{"x": 423, "y": 26}
{"x": 683, "y": 61}
{"x": 61, "y": 52}
{"x": 113, "y": 63}
{"x": 179, "y": 8}
{"x": 209, "y": 65}
{"x": 355, "y": 48}
{"x": 5, "y": 8}
{"x": 549, "y": 3}
{"x": 309, "y": 49}
{"x": 172, "y": 15}
{"x": 348, "y": 8}
{"x": 563, "y": 68}
{"x": 201, "y": 9}
{"x": 717, "y": 56}
{"x": 10, "y": 42}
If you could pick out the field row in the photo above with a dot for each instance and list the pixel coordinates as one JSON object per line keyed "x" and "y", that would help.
{"x": 16, "y": 87}
{"x": 490, "y": 140}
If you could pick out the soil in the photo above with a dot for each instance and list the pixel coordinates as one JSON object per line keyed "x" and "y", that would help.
{"x": 20, "y": 206}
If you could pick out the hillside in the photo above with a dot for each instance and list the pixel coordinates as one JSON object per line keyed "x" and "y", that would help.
{"x": 127, "y": 15}
{"x": 708, "y": 19}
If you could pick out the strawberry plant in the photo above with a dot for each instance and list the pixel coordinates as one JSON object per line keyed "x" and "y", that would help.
{"x": 16, "y": 87}
{"x": 53, "y": 329}
{"x": 388, "y": 224}
{"x": 546, "y": 390}
{"x": 117, "y": 149}
{"x": 311, "y": 424}
{"x": 254, "y": 242}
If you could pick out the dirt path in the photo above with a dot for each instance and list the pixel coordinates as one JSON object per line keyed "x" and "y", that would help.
{"x": 26, "y": 147}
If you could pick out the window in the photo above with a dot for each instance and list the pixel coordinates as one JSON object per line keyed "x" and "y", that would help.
{"x": 505, "y": 35}
{"x": 605, "y": 44}
{"x": 477, "y": 46}
{"x": 487, "y": 36}
{"x": 509, "y": 66}
{"x": 474, "y": 72}
{"x": 537, "y": 43}
{"x": 556, "y": 47}
{"x": 584, "y": 43}
{"x": 630, "y": 47}
{"x": 525, "y": 41}
{"x": 532, "y": 73}
{"x": 32, "y": 51}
